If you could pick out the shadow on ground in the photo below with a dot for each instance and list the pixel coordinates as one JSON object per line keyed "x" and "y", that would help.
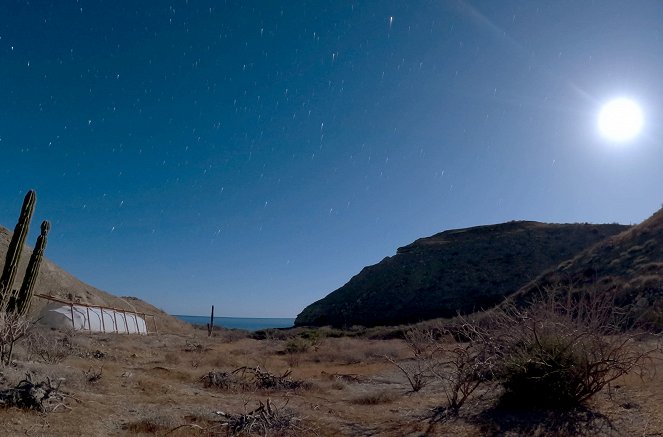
{"x": 580, "y": 421}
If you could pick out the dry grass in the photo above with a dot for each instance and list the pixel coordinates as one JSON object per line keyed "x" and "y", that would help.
{"x": 148, "y": 386}
{"x": 377, "y": 398}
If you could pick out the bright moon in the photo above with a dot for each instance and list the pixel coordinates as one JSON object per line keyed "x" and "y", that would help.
{"x": 620, "y": 120}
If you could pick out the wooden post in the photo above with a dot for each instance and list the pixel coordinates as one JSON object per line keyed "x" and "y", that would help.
{"x": 89, "y": 327}
{"x": 103, "y": 324}
{"x": 136, "y": 322}
{"x": 73, "y": 325}
{"x": 210, "y": 325}
{"x": 145, "y": 321}
{"x": 117, "y": 331}
{"x": 126, "y": 325}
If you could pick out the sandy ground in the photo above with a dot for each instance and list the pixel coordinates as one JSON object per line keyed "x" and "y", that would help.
{"x": 151, "y": 385}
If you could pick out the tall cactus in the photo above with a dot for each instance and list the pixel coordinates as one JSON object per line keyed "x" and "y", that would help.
{"x": 21, "y": 303}
{"x": 15, "y": 249}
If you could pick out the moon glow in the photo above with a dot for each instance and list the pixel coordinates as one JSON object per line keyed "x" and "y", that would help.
{"x": 620, "y": 120}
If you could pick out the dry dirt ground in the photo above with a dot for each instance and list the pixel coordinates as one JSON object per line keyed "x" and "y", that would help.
{"x": 155, "y": 385}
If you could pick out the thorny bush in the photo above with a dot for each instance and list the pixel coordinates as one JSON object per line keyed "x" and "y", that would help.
{"x": 560, "y": 350}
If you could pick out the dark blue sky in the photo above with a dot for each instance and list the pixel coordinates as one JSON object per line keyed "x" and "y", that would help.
{"x": 256, "y": 155}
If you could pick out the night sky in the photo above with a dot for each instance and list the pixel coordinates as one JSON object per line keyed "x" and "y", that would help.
{"x": 256, "y": 155}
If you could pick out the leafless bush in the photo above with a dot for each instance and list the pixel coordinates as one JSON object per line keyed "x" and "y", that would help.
{"x": 416, "y": 371}
{"x": 265, "y": 380}
{"x": 558, "y": 351}
{"x": 12, "y": 328}
{"x": 463, "y": 369}
{"x": 460, "y": 368}
{"x": 93, "y": 376}
{"x": 223, "y": 381}
{"x": 52, "y": 347}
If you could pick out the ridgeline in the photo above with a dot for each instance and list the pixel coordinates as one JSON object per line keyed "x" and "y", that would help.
{"x": 462, "y": 270}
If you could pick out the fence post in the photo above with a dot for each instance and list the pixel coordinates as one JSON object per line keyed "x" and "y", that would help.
{"x": 103, "y": 324}
{"x": 73, "y": 325}
{"x": 89, "y": 326}
{"x": 136, "y": 322}
{"x": 126, "y": 325}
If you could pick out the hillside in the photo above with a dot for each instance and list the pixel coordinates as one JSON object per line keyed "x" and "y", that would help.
{"x": 630, "y": 264}
{"x": 54, "y": 281}
{"x": 457, "y": 270}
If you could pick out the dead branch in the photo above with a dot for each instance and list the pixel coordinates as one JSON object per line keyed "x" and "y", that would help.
{"x": 41, "y": 396}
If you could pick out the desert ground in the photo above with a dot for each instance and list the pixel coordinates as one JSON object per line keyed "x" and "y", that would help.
{"x": 183, "y": 384}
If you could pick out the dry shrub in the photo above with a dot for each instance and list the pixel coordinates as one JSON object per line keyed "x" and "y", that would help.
{"x": 381, "y": 397}
{"x": 557, "y": 352}
{"x": 193, "y": 346}
{"x": 172, "y": 358}
{"x": 356, "y": 350}
{"x": 459, "y": 368}
{"x": 51, "y": 347}
{"x": 226, "y": 381}
{"x": 12, "y": 328}
{"x": 264, "y": 420}
{"x": 338, "y": 385}
{"x": 154, "y": 425}
{"x": 93, "y": 376}
{"x": 252, "y": 378}
{"x": 230, "y": 335}
{"x": 561, "y": 350}
{"x": 42, "y": 396}
{"x": 297, "y": 345}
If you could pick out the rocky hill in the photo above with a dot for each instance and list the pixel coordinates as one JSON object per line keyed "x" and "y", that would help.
{"x": 56, "y": 282}
{"x": 457, "y": 270}
{"x": 629, "y": 264}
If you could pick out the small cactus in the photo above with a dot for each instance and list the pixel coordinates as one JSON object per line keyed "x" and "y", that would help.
{"x": 15, "y": 249}
{"x": 210, "y": 325}
{"x": 21, "y": 303}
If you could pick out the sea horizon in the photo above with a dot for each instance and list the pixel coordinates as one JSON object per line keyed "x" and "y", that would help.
{"x": 246, "y": 323}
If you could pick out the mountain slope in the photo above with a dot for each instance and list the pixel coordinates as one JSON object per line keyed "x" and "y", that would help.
{"x": 54, "y": 281}
{"x": 457, "y": 270}
{"x": 630, "y": 264}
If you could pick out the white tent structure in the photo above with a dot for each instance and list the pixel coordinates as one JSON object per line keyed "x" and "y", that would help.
{"x": 90, "y": 318}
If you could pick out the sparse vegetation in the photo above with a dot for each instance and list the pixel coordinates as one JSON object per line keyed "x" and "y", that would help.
{"x": 447, "y": 269}
{"x": 51, "y": 348}
{"x": 561, "y": 350}
{"x": 264, "y": 420}
{"x": 245, "y": 378}
{"x": 548, "y": 357}
{"x": 41, "y": 396}
{"x": 377, "y": 398}
{"x": 564, "y": 348}
{"x": 13, "y": 327}
{"x": 557, "y": 352}
{"x": 458, "y": 368}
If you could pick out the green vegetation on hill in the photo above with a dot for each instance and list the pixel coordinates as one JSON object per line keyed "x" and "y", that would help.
{"x": 628, "y": 265}
{"x": 461, "y": 270}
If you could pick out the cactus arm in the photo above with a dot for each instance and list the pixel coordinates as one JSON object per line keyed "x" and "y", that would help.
{"x": 15, "y": 249}
{"x": 24, "y": 296}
